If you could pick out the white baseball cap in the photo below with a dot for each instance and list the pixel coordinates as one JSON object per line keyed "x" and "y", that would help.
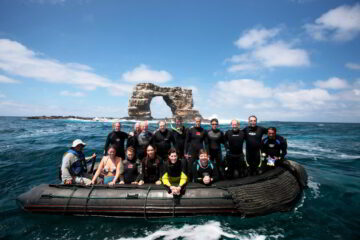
{"x": 77, "y": 142}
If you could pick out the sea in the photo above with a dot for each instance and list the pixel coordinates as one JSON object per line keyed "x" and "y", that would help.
{"x": 31, "y": 151}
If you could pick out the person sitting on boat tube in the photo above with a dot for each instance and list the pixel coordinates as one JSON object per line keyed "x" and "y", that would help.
{"x": 132, "y": 168}
{"x": 111, "y": 167}
{"x": 174, "y": 178}
{"x": 150, "y": 166}
{"x": 273, "y": 148}
{"x": 204, "y": 171}
{"x": 74, "y": 164}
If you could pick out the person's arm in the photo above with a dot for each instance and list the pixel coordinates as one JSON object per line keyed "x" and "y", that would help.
{"x": 140, "y": 178}
{"x": 283, "y": 148}
{"x": 107, "y": 143}
{"x": 183, "y": 179}
{"x": 215, "y": 174}
{"x": 99, "y": 169}
{"x": 65, "y": 166}
{"x": 187, "y": 141}
{"x": 196, "y": 177}
{"x": 165, "y": 179}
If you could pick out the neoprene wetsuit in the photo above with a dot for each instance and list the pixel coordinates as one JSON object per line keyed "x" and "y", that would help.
{"x": 117, "y": 139}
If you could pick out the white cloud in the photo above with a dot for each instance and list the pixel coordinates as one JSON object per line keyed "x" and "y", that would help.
{"x": 235, "y": 90}
{"x": 332, "y": 83}
{"x": 354, "y": 66}
{"x": 262, "y": 51}
{"x": 16, "y": 59}
{"x": 339, "y": 24}
{"x": 304, "y": 99}
{"x": 72, "y": 94}
{"x": 256, "y": 37}
{"x": 2, "y": 95}
{"x": 143, "y": 73}
{"x": 242, "y": 67}
{"x": 280, "y": 54}
{"x": 5, "y": 79}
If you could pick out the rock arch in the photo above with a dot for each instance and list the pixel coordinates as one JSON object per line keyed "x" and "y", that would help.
{"x": 179, "y": 100}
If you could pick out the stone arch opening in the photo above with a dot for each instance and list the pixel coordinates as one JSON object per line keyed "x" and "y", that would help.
{"x": 179, "y": 100}
{"x": 160, "y": 108}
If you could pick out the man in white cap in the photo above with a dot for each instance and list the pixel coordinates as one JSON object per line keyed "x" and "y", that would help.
{"x": 74, "y": 164}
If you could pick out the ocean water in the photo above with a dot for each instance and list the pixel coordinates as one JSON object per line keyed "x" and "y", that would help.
{"x": 31, "y": 150}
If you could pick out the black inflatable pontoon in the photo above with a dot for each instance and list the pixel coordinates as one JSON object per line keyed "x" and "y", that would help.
{"x": 275, "y": 190}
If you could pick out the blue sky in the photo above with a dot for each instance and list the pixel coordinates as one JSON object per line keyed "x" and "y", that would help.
{"x": 286, "y": 60}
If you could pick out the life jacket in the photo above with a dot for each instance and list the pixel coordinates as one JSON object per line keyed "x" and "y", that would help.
{"x": 78, "y": 167}
{"x": 209, "y": 165}
{"x": 277, "y": 141}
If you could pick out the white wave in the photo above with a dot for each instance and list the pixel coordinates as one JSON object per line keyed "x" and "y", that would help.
{"x": 314, "y": 186}
{"x": 346, "y": 156}
{"x": 209, "y": 231}
{"x": 302, "y": 153}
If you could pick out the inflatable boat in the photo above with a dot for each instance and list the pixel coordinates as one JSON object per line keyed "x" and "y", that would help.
{"x": 275, "y": 190}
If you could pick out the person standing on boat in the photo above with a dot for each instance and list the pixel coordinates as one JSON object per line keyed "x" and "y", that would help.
{"x": 174, "y": 177}
{"x": 204, "y": 171}
{"x": 74, "y": 164}
{"x": 143, "y": 139}
{"x": 195, "y": 140}
{"x": 151, "y": 167}
{"x": 215, "y": 137}
{"x": 179, "y": 133}
{"x": 236, "y": 165}
{"x": 132, "y": 140}
{"x": 117, "y": 138}
{"x": 110, "y": 167}
{"x": 132, "y": 168}
{"x": 273, "y": 148}
{"x": 253, "y": 137}
{"x": 162, "y": 139}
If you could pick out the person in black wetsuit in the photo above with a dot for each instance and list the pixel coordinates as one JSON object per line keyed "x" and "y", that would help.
{"x": 273, "y": 148}
{"x": 142, "y": 140}
{"x": 150, "y": 167}
{"x": 132, "y": 168}
{"x": 162, "y": 139}
{"x": 179, "y": 133}
{"x": 253, "y": 137}
{"x": 195, "y": 140}
{"x": 215, "y": 137}
{"x": 132, "y": 140}
{"x": 234, "y": 139}
{"x": 204, "y": 171}
{"x": 116, "y": 138}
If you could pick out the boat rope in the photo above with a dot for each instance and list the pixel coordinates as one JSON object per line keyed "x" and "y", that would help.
{"x": 68, "y": 202}
{"x": 88, "y": 198}
{"x": 146, "y": 197}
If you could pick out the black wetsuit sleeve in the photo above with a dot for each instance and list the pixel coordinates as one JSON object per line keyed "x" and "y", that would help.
{"x": 215, "y": 174}
{"x": 283, "y": 148}
{"x": 107, "y": 143}
{"x": 187, "y": 141}
{"x": 196, "y": 177}
{"x": 141, "y": 172}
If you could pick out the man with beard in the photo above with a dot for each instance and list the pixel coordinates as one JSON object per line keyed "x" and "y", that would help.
{"x": 273, "y": 148}
{"x": 234, "y": 140}
{"x": 253, "y": 137}
{"x": 116, "y": 138}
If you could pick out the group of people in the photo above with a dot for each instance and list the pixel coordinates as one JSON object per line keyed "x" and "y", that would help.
{"x": 175, "y": 156}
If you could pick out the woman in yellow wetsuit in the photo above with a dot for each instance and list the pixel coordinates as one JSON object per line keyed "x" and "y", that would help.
{"x": 174, "y": 177}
